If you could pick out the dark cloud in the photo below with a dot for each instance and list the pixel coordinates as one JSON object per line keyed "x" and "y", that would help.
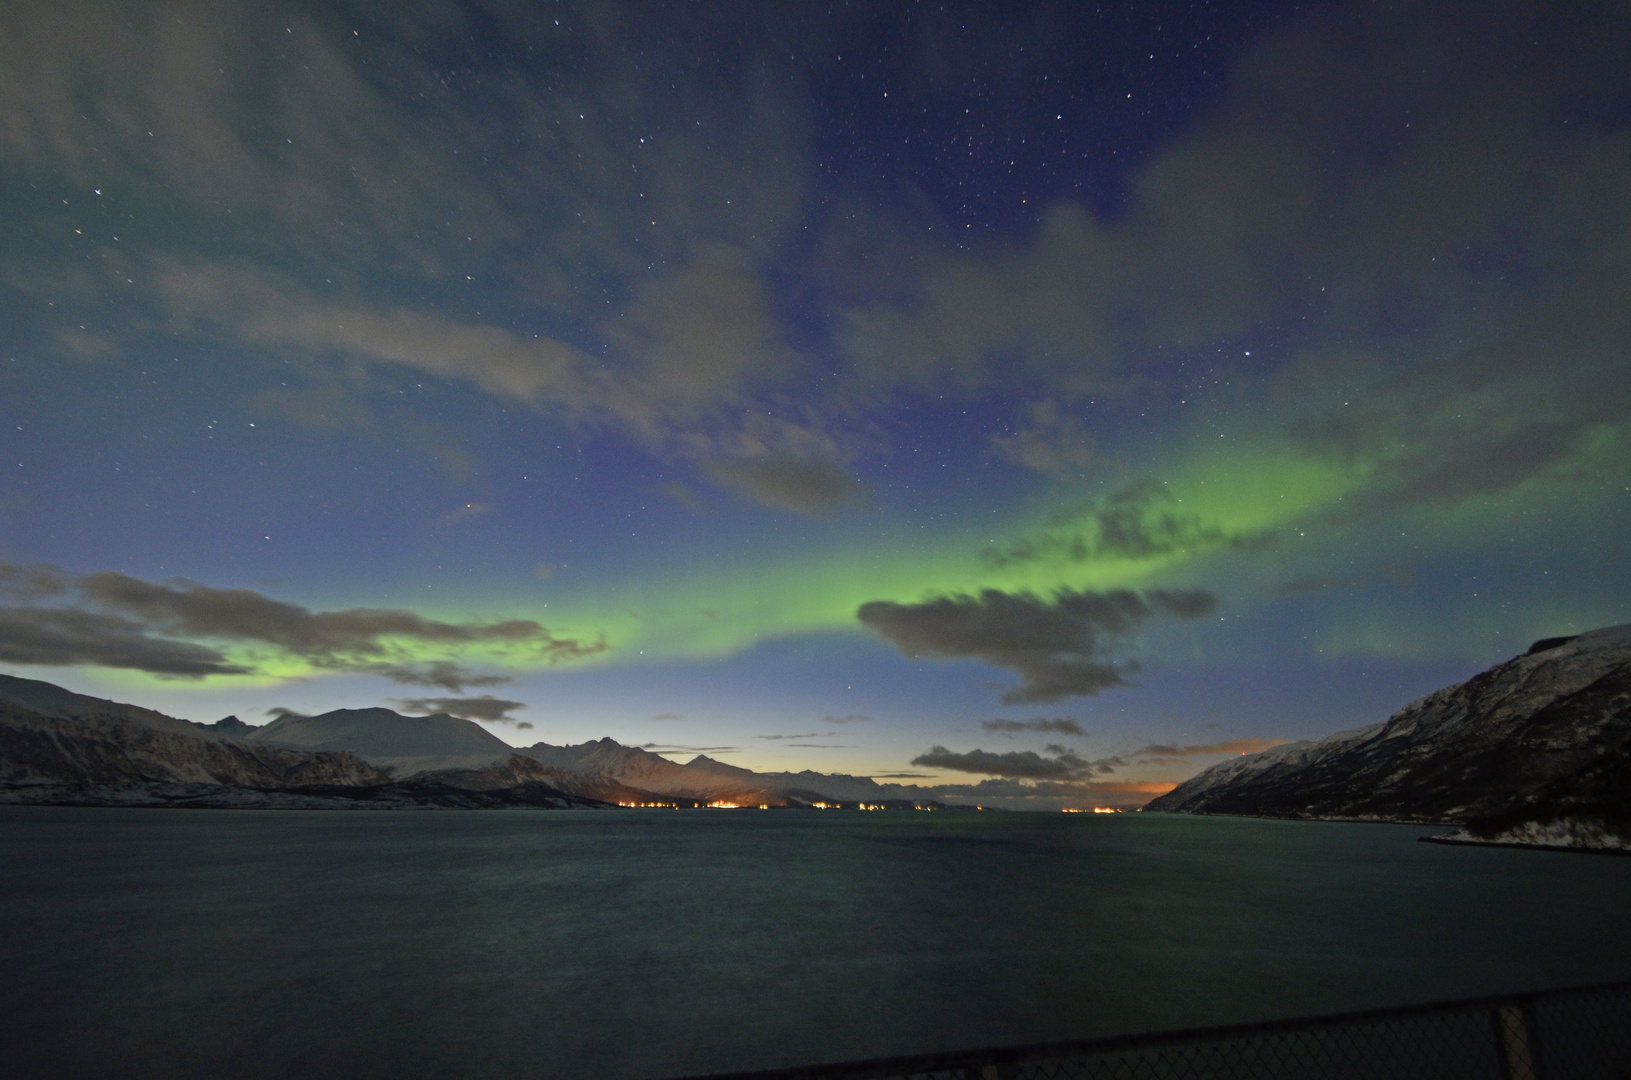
{"x": 850, "y": 719}
{"x": 776, "y": 738}
{"x": 1475, "y": 423}
{"x": 486, "y": 707}
{"x": 1140, "y": 520}
{"x": 808, "y": 486}
{"x": 54, "y": 636}
{"x": 116, "y": 620}
{"x": 1064, "y": 725}
{"x": 30, "y": 584}
{"x": 335, "y": 638}
{"x": 279, "y": 712}
{"x": 668, "y": 716}
{"x": 1058, "y": 647}
{"x": 443, "y": 673}
{"x": 1015, "y": 764}
{"x": 667, "y": 748}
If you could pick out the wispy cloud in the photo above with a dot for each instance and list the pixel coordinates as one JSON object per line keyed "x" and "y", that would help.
{"x": 462, "y": 513}
{"x": 813, "y": 487}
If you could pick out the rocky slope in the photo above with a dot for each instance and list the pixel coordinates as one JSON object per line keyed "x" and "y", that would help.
{"x": 1536, "y": 743}
{"x": 50, "y": 736}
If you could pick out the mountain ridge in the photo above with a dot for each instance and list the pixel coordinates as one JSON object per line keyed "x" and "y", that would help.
{"x": 1538, "y": 738}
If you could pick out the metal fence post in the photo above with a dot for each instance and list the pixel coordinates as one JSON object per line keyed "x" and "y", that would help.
{"x": 1515, "y": 1041}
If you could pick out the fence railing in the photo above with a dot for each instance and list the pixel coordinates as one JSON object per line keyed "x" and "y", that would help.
{"x": 1582, "y": 1033}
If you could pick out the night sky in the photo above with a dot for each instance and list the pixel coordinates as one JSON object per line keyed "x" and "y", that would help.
{"x": 1055, "y": 394}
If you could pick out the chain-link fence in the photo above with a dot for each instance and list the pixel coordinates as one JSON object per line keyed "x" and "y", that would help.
{"x": 1578, "y": 1034}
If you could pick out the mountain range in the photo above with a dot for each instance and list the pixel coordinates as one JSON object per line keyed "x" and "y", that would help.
{"x": 1533, "y": 751}
{"x": 57, "y": 746}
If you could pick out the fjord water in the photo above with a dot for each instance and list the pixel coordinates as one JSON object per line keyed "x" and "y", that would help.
{"x": 657, "y": 943}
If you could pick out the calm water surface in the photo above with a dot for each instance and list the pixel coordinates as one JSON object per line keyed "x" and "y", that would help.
{"x": 632, "y": 944}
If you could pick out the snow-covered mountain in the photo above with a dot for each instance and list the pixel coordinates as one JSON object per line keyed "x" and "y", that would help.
{"x": 405, "y": 745}
{"x": 59, "y": 746}
{"x": 51, "y": 737}
{"x": 1544, "y": 736}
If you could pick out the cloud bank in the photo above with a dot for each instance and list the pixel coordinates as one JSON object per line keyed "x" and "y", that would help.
{"x": 486, "y": 707}
{"x": 1059, "y": 646}
{"x": 110, "y": 619}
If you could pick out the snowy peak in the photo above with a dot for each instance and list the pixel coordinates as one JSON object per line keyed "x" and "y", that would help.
{"x": 376, "y": 734}
{"x": 704, "y": 763}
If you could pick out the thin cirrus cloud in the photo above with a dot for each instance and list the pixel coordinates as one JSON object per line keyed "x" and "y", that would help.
{"x": 813, "y": 487}
{"x": 672, "y": 396}
{"x": 1236, "y": 224}
{"x": 1059, "y": 646}
{"x": 1051, "y": 440}
{"x": 689, "y": 350}
{"x": 111, "y": 619}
